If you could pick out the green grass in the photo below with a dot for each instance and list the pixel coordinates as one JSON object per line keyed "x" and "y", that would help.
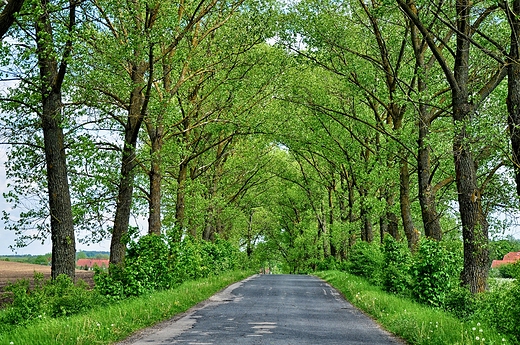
{"x": 413, "y": 322}
{"x": 117, "y": 321}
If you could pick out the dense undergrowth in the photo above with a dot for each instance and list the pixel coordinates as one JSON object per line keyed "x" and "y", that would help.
{"x": 414, "y": 322}
{"x": 428, "y": 280}
{"x": 116, "y": 321}
{"x": 154, "y": 263}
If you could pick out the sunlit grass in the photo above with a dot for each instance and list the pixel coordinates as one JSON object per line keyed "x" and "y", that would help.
{"x": 117, "y": 321}
{"x": 413, "y": 322}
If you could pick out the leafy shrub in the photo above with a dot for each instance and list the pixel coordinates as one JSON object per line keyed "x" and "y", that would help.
{"x": 147, "y": 268}
{"x": 328, "y": 264}
{"x": 53, "y": 298}
{"x": 461, "y": 302}
{"x": 396, "y": 266}
{"x": 434, "y": 272}
{"x": 499, "y": 308}
{"x": 510, "y": 270}
{"x": 159, "y": 262}
{"x": 366, "y": 260}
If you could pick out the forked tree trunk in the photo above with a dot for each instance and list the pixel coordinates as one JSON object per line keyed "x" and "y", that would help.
{"x": 128, "y": 162}
{"x": 51, "y": 76}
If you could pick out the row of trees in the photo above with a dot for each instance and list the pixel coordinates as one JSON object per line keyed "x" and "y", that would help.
{"x": 291, "y": 129}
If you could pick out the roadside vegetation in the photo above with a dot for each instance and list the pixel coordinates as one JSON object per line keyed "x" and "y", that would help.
{"x": 108, "y": 323}
{"x": 419, "y": 298}
{"x": 414, "y": 322}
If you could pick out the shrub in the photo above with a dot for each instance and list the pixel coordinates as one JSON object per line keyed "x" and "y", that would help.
{"x": 366, "y": 260}
{"x": 434, "y": 272}
{"x": 159, "y": 262}
{"x": 499, "y": 307}
{"x": 461, "y": 302}
{"x": 396, "y": 266}
{"x": 59, "y": 297}
{"x": 510, "y": 270}
{"x": 147, "y": 268}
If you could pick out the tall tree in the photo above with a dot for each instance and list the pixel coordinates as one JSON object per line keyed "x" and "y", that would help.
{"x": 464, "y": 111}
{"x": 46, "y": 34}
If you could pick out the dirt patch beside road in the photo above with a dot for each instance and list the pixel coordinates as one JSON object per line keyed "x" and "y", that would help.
{"x": 12, "y": 271}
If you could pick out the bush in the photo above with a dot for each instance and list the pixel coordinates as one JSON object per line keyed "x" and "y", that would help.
{"x": 147, "y": 268}
{"x": 434, "y": 272}
{"x": 461, "y": 302}
{"x": 366, "y": 260}
{"x": 53, "y": 298}
{"x": 396, "y": 266}
{"x": 159, "y": 262}
{"x": 500, "y": 308}
{"x": 510, "y": 270}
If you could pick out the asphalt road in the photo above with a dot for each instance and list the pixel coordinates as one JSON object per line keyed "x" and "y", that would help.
{"x": 270, "y": 309}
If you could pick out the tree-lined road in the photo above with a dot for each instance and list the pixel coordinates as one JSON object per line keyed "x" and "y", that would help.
{"x": 271, "y": 309}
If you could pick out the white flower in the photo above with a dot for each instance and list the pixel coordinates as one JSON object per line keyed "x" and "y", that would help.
{"x": 478, "y": 323}
{"x": 474, "y": 329}
{"x": 477, "y": 338}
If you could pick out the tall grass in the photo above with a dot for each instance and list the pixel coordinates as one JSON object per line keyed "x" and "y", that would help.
{"x": 413, "y": 322}
{"x": 117, "y": 321}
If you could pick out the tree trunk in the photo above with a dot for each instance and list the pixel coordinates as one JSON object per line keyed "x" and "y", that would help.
{"x": 155, "y": 176}
{"x": 367, "y": 233}
{"x": 513, "y": 90}
{"x": 412, "y": 235}
{"x": 474, "y": 223}
{"x": 180, "y": 203}
{"x": 430, "y": 217}
{"x": 391, "y": 222}
{"x": 62, "y": 226}
{"x": 8, "y": 14}
{"x": 128, "y": 162}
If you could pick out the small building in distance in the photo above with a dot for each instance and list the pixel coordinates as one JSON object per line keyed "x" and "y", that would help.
{"x": 509, "y": 258}
{"x": 89, "y": 264}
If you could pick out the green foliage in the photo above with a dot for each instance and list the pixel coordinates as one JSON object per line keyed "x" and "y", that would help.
{"x": 461, "y": 302}
{"x": 414, "y": 322}
{"x": 500, "y": 308}
{"x": 396, "y": 265}
{"x": 117, "y": 321}
{"x": 434, "y": 271}
{"x": 158, "y": 263}
{"x": 510, "y": 270}
{"x": 366, "y": 260}
{"x": 51, "y": 298}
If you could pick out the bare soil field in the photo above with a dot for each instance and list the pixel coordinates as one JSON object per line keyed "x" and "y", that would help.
{"x": 12, "y": 271}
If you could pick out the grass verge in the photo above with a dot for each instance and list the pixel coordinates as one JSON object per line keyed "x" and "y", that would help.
{"x": 413, "y": 322}
{"x": 117, "y": 321}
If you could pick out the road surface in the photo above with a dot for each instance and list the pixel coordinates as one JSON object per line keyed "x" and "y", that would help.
{"x": 274, "y": 310}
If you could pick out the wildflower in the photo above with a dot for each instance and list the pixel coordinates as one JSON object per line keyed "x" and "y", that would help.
{"x": 478, "y": 323}
{"x": 11, "y": 343}
{"x": 477, "y": 338}
{"x": 474, "y": 329}
{"x": 503, "y": 340}
{"x": 98, "y": 324}
{"x": 480, "y": 330}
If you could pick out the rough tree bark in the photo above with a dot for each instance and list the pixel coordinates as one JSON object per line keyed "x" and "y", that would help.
{"x": 8, "y": 15}
{"x": 51, "y": 77}
{"x": 513, "y": 88}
